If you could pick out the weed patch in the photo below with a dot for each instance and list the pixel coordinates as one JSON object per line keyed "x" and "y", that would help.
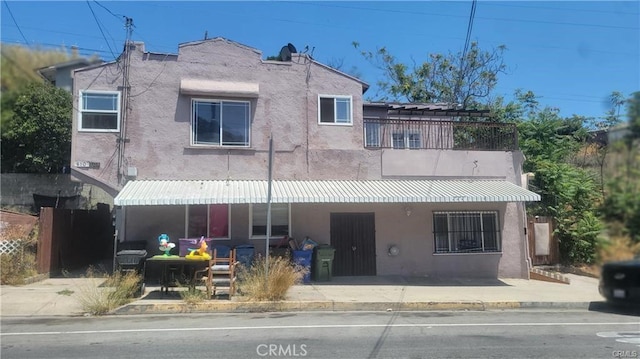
{"x": 255, "y": 284}
{"x": 618, "y": 248}
{"x": 193, "y": 295}
{"x": 98, "y": 300}
{"x": 66, "y": 292}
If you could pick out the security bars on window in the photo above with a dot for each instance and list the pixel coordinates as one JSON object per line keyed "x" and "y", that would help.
{"x": 466, "y": 232}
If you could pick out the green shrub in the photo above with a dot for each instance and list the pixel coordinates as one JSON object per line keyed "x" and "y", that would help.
{"x": 255, "y": 284}
{"x": 579, "y": 241}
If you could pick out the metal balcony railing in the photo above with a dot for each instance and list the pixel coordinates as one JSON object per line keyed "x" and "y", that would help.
{"x": 440, "y": 135}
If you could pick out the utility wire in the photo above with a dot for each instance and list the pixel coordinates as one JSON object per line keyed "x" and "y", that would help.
{"x": 43, "y": 44}
{"x": 100, "y": 28}
{"x": 59, "y": 32}
{"x": 469, "y": 30}
{"x": 334, "y": 4}
{"x": 458, "y": 85}
{"x": 118, "y": 16}
{"x": 6, "y": 3}
{"x": 599, "y": 11}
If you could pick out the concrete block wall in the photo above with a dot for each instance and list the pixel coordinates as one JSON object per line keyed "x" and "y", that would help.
{"x": 17, "y": 191}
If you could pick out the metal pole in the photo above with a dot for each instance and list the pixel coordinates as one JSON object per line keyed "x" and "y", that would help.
{"x": 266, "y": 261}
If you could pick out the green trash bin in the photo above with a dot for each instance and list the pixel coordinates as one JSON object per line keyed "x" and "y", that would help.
{"x": 323, "y": 262}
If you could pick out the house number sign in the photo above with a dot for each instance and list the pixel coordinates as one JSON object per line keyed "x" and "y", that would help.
{"x": 88, "y": 164}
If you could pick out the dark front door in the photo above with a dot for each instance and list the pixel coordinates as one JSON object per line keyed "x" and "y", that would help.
{"x": 353, "y": 235}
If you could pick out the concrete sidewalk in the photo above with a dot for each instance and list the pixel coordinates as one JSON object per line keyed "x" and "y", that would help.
{"x": 48, "y": 297}
{"x": 400, "y": 293}
{"x": 59, "y": 296}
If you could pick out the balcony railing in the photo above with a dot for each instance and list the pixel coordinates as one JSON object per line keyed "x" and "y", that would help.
{"x": 440, "y": 135}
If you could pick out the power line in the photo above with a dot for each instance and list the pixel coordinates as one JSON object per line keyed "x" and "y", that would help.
{"x": 100, "y": 28}
{"x": 469, "y": 30}
{"x": 6, "y": 3}
{"x": 61, "y": 32}
{"x": 328, "y": 4}
{"x": 458, "y": 83}
{"x": 56, "y": 46}
{"x": 560, "y": 9}
{"x": 117, "y": 16}
{"x": 172, "y": 48}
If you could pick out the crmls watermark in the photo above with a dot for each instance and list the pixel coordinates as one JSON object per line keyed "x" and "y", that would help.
{"x": 282, "y": 350}
{"x": 624, "y": 354}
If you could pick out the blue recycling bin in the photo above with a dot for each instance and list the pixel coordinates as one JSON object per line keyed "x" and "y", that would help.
{"x": 244, "y": 254}
{"x": 303, "y": 258}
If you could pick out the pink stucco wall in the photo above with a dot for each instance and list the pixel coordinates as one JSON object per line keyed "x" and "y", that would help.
{"x": 158, "y": 124}
{"x": 158, "y": 145}
{"x": 413, "y": 235}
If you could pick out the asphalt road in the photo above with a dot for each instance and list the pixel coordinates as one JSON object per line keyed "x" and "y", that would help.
{"x": 495, "y": 334}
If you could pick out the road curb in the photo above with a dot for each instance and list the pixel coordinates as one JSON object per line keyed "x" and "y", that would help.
{"x": 303, "y": 306}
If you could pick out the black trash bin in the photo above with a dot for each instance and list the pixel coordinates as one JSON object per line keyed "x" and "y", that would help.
{"x": 132, "y": 260}
{"x": 323, "y": 263}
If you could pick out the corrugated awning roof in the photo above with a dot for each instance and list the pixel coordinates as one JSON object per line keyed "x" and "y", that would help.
{"x": 147, "y": 193}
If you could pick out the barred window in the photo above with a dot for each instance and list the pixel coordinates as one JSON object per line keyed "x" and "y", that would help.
{"x": 466, "y": 232}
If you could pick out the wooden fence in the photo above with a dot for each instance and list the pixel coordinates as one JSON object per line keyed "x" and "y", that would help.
{"x": 71, "y": 239}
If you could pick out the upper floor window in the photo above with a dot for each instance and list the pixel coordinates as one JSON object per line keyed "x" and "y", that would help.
{"x": 372, "y": 133}
{"x": 463, "y": 232}
{"x": 406, "y": 139}
{"x": 220, "y": 123}
{"x": 334, "y": 110}
{"x": 99, "y": 111}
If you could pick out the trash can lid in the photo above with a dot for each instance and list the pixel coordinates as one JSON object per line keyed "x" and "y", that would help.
{"x": 132, "y": 252}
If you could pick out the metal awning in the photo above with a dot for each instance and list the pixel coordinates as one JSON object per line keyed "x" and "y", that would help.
{"x": 181, "y": 192}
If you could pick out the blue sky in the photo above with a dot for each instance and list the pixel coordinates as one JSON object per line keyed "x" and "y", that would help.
{"x": 572, "y": 54}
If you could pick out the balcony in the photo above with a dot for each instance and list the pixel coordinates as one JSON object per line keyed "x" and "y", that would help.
{"x": 439, "y": 135}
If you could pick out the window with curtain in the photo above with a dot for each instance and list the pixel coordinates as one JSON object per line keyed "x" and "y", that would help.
{"x": 279, "y": 220}
{"x": 211, "y": 221}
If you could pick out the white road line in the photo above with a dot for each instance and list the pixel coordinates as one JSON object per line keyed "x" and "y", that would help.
{"x": 622, "y": 337}
{"x": 316, "y": 326}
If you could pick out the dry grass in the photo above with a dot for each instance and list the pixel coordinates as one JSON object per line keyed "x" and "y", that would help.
{"x": 618, "y": 248}
{"x": 16, "y": 267}
{"x": 118, "y": 289}
{"x": 193, "y": 295}
{"x": 257, "y": 286}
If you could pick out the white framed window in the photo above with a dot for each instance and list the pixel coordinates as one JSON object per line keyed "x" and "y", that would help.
{"x": 210, "y": 221}
{"x": 335, "y": 110}
{"x": 99, "y": 111}
{"x": 406, "y": 139}
{"x": 372, "y": 134}
{"x": 220, "y": 123}
{"x": 280, "y": 220}
{"x": 466, "y": 232}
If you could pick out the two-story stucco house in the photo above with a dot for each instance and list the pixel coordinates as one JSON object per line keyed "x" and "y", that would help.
{"x": 182, "y": 143}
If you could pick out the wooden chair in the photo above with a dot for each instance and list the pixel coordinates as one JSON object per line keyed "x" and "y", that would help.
{"x": 220, "y": 273}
